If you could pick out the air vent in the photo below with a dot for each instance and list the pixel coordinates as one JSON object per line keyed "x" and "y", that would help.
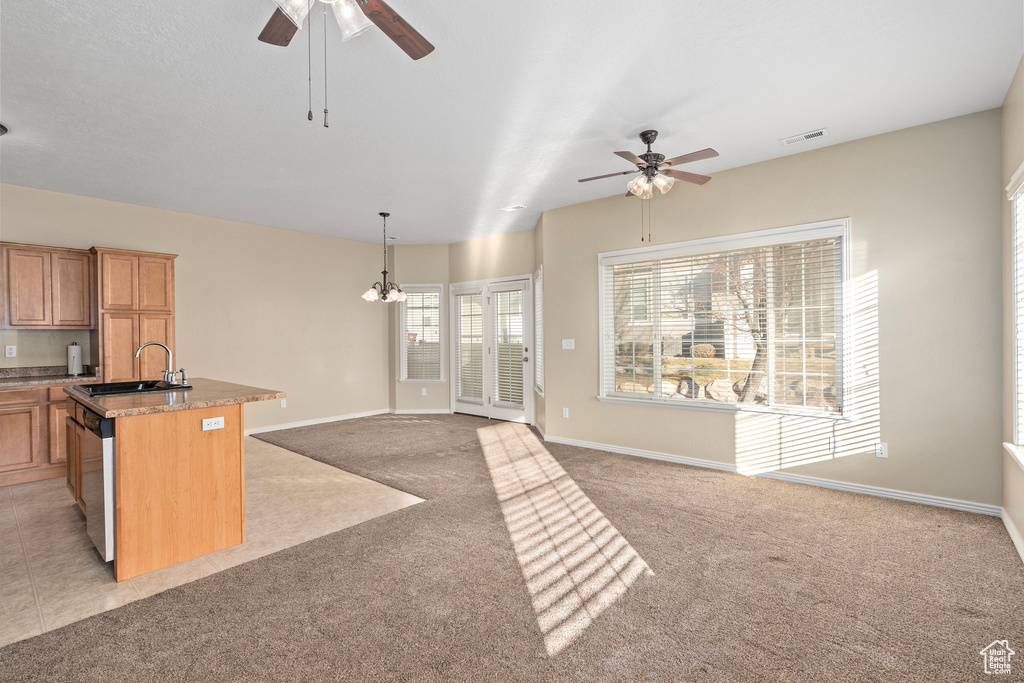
{"x": 804, "y": 137}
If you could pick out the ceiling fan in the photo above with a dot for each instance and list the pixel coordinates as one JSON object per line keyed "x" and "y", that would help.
{"x": 354, "y": 17}
{"x": 653, "y": 171}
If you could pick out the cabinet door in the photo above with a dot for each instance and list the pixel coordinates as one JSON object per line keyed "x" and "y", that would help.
{"x": 156, "y": 284}
{"x": 72, "y": 300}
{"x": 119, "y": 275}
{"x": 19, "y": 437}
{"x": 58, "y": 444}
{"x": 28, "y": 286}
{"x": 72, "y": 445}
{"x": 153, "y": 360}
{"x": 120, "y": 342}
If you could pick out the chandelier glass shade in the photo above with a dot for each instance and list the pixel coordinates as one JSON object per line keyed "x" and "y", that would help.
{"x": 384, "y": 290}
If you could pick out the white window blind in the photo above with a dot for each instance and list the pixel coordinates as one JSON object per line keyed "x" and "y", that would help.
{"x": 508, "y": 347}
{"x": 754, "y": 320}
{"x": 1018, "y": 312}
{"x": 538, "y": 329}
{"x": 469, "y": 350}
{"x": 421, "y": 334}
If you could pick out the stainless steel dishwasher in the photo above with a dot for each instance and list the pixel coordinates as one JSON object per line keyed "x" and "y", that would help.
{"x": 98, "y": 482}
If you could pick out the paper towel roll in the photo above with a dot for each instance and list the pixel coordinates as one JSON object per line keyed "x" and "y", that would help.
{"x": 74, "y": 359}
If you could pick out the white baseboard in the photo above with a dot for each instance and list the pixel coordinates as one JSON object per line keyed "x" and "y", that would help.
{"x": 428, "y": 411}
{"x": 1015, "y": 535}
{"x": 317, "y": 421}
{"x": 653, "y": 455}
{"x": 937, "y": 501}
{"x": 922, "y": 498}
{"x": 541, "y": 431}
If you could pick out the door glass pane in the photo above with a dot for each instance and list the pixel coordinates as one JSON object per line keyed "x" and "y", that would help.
{"x": 470, "y": 346}
{"x": 508, "y": 344}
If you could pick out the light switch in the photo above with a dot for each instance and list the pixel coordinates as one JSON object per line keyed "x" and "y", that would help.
{"x": 568, "y": 344}
{"x": 213, "y": 423}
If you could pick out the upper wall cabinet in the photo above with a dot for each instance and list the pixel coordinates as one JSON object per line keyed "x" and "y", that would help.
{"x": 136, "y": 281}
{"x": 47, "y": 288}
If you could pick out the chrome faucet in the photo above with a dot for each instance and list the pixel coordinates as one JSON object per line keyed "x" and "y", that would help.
{"x": 170, "y": 376}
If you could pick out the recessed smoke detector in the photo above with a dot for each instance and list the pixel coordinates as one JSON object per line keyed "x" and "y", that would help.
{"x": 392, "y": 238}
{"x": 804, "y": 137}
{"x": 514, "y": 207}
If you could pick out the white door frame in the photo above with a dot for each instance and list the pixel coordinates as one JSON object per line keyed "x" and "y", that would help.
{"x": 485, "y": 287}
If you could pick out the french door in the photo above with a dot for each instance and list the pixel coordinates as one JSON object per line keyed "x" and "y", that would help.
{"x": 491, "y": 360}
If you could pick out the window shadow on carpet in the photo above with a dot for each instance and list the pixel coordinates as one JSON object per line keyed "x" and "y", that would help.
{"x": 575, "y": 563}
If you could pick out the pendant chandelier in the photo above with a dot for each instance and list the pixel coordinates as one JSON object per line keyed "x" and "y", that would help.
{"x": 384, "y": 290}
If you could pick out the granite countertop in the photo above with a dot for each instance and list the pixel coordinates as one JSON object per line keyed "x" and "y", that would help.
{"x": 205, "y": 393}
{"x": 12, "y": 378}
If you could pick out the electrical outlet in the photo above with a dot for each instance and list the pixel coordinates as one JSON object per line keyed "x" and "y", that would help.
{"x": 834, "y": 444}
{"x": 568, "y": 344}
{"x": 881, "y": 450}
{"x": 565, "y": 413}
{"x": 284, "y": 403}
{"x": 423, "y": 391}
{"x": 213, "y": 423}
{"x": 10, "y": 351}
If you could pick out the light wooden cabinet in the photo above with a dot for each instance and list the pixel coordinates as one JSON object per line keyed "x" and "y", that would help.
{"x": 20, "y": 432}
{"x": 47, "y": 288}
{"x": 156, "y": 284}
{"x": 58, "y": 413}
{"x": 136, "y": 306}
{"x": 72, "y": 441}
{"x": 28, "y": 287}
{"x": 120, "y": 341}
{"x": 71, "y": 277}
{"x": 33, "y": 439}
{"x": 153, "y": 360}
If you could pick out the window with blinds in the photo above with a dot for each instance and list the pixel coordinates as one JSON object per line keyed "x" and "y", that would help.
{"x": 754, "y": 319}
{"x": 1018, "y": 315}
{"x": 469, "y": 346}
{"x": 538, "y": 329}
{"x": 508, "y": 347}
{"x": 421, "y": 334}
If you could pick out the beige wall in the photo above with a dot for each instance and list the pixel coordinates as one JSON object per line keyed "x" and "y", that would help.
{"x": 925, "y": 226}
{"x": 1013, "y": 157}
{"x": 255, "y": 305}
{"x": 422, "y": 265}
{"x": 489, "y": 258}
{"x": 41, "y": 347}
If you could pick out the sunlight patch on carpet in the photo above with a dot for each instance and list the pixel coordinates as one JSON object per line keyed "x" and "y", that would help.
{"x": 575, "y": 563}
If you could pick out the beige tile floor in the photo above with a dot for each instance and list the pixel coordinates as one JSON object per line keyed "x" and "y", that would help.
{"x": 50, "y": 574}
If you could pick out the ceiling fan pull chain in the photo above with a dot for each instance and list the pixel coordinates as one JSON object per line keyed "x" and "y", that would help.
{"x": 309, "y": 55}
{"x": 325, "y": 65}
{"x": 641, "y": 220}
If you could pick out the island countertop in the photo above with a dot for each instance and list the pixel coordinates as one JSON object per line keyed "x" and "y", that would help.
{"x": 205, "y": 393}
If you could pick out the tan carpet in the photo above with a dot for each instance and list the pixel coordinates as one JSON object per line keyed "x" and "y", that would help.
{"x": 750, "y": 579}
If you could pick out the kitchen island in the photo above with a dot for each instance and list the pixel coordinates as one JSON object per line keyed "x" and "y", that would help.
{"x": 160, "y": 475}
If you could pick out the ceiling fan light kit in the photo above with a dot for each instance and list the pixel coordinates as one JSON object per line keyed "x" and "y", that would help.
{"x": 652, "y": 174}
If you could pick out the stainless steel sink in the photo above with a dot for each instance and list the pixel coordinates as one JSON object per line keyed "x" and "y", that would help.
{"x": 117, "y": 388}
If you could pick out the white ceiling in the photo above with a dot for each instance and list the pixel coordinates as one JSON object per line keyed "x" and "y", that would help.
{"x": 177, "y": 105}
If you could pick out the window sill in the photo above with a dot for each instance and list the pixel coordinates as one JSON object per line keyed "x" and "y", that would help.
{"x": 1015, "y": 451}
{"x": 734, "y": 408}
{"x": 423, "y": 381}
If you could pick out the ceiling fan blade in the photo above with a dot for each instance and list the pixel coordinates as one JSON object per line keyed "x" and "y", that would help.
{"x": 279, "y": 30}
{"x": 630, "y": 194}
{"x": 692, "y": 156}
{"x": 631, "y": 158}
{"x": 686, "y": 177}
{"x": 606, "y": 175}
{"x": 396, "y": 28}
